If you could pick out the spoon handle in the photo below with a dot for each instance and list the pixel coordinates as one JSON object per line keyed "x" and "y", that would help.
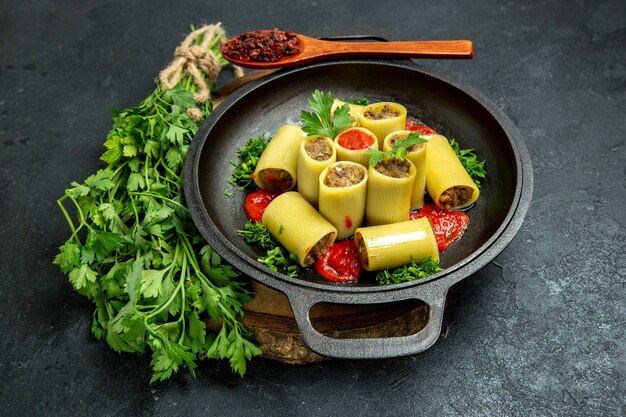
{"x": 409, "y": 49}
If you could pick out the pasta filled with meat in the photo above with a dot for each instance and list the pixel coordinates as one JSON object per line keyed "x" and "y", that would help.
{"x": 447, "y": 181}
{"x": 342, "y": 196}
{"x": 394, "y": 245}
{"x": 277, "y": 166}
{"x": 417, "y": 155}
{"x": 383, "y": 118}
{"x": 389, "y": 190}
{"x": 298, "y": 227}
{"x": 315, "y": 153}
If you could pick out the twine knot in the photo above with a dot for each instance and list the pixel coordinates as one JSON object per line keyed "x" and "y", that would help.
{"x": 193, "y": 57}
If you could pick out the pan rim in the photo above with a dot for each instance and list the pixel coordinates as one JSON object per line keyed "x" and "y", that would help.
{"x": 466, "y": 267}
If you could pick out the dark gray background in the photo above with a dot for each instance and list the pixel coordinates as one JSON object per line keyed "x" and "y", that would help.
{"x": 539, "y": 331}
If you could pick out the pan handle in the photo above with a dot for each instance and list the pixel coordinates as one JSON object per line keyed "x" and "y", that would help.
{"x": 433, "y": 294}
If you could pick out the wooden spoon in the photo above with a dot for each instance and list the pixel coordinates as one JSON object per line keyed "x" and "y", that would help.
{"x": 314, "y": 50}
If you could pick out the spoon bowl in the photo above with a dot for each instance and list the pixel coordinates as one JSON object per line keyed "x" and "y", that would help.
{"x": 315, "y": 50}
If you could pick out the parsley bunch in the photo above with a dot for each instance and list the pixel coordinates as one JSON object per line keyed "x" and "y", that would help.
{"x": 136, "y": 254}
{"x": 322, "y": 121}
{"x": 469, "y": 159}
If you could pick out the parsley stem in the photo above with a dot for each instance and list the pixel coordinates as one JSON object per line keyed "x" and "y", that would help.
{"x": 165, "y": 305}
{"x": 66, "y": 214}
{"x": 167, "y": 168}
{"x": 154, "y": 195}
{"x": 181, "y": 319}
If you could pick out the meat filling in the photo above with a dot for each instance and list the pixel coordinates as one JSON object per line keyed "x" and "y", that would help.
{"x": 394, "y": 168}
{"x": 318, "y": 149}
{"x": 360, "y": 244}
{"x": 455, "y": 196}
{"x": 276, "y": 179}
{"x": 413, "y": 148}
{"x": 343, "y": 175}
{"x": 320, "y": 247}
{"x": 385, "y": 112}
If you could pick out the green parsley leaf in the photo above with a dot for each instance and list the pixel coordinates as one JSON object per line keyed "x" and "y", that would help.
{"x": 399, "y": 150}
{"x": 322, "y": 121}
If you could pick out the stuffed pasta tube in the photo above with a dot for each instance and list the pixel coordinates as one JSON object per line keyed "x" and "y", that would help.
{"x": 394, "y": 245}
{"x": 277, "y": 166}
{"x": 383, "y": 118}
{"x": 342, "y": 192}
{"x": 447, "y": 181}
{"x": 298, "y": 227}
{"x": 352, "y": 143}
{"x": 315, "y": 153}
{"x": 389, "y": 189}
{"x": 417, "y": 155}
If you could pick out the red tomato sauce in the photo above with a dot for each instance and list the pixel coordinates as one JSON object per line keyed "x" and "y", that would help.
{"x": 417, "y": 127}
{"x": 340, "y": 263}
{"x": 447, "y": 225}
{"x": 348, "y": 222}
{"x": 355, "y": 139}
{"x": 255, "y": 203}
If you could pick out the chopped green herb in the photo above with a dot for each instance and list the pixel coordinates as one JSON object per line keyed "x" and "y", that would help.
{"x": 248, "y": 156}
{"x": 280, "y": 229}
{"x": 254, "y": 233}
{"x": 411, "y": 272}
{"x": 229, "y": 193}
{"x": 322, "y": 121}
{"x": 276, "y": 257}
{"x": 358, "y": 101}
{"x": 280, "y": 258}
{"x": 469, "y": 159}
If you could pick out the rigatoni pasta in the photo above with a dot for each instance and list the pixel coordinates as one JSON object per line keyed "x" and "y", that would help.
{"x": 393, "y": 245}
{"x": 315, "y": 153}
{"x": 417, "y": 155}
{"x": 342, "y": 196}
{"x": 447, "y": 181}
{"x": 277, "y": 166}
{"x": 383, "y": 118}
{"x": 298, "y": 227}
{"x": 352, "y": 143}
{"x": 389, "y": 190}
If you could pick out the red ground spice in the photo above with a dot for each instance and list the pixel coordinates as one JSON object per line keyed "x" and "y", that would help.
{"x": 261, "y": 45}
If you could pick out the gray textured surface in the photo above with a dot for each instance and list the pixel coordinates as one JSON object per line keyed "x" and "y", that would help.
{"x": 540, "y": 331}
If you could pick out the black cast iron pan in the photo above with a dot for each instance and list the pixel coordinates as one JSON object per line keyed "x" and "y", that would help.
{"x": 456, "y": 112}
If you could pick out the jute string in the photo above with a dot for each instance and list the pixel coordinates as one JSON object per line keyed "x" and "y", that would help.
{"x": 191, "y": 58}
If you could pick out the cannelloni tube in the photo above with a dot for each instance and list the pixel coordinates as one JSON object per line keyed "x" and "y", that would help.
{"x": 277, "y": 166}
{"x": 383, "y": 118}
{"x": 315, "y": 154}
{"x": 343, "y": 188}
{"x": 388, "y": 198}
{"x": 417, "y": 155}
{"x": 352, "y": 143}
{"x": 447, "y": 181}
{"x": 394, "y": 245}
{"x": 298, "y": 227}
